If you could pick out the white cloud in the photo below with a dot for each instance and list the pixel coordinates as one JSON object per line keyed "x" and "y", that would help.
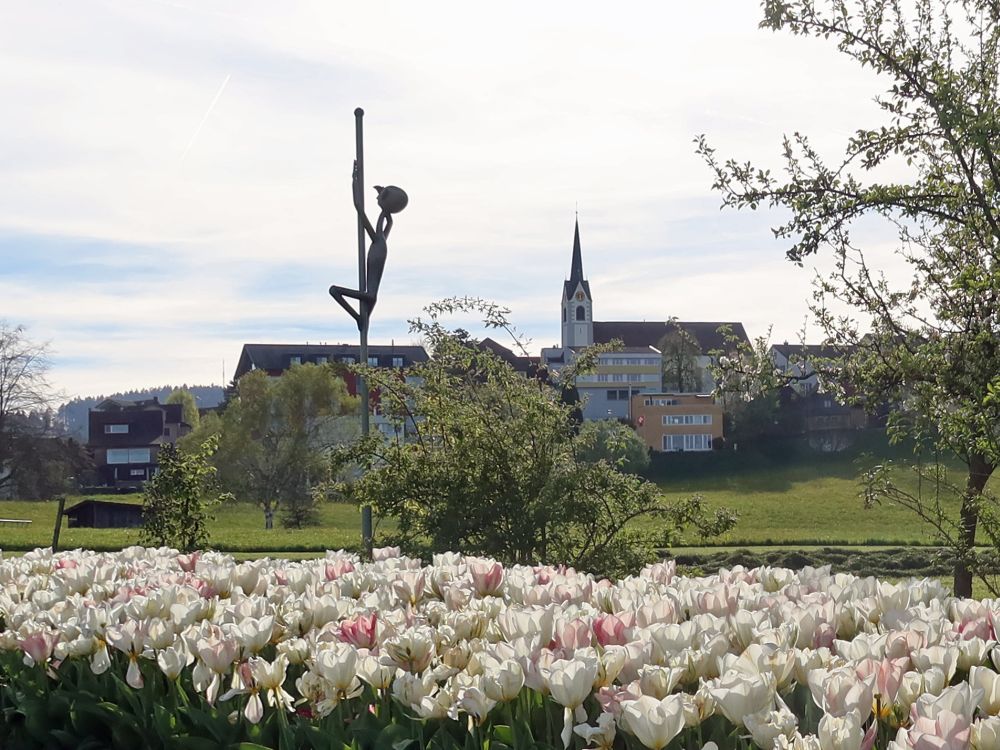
{"x": 497, "y": 122}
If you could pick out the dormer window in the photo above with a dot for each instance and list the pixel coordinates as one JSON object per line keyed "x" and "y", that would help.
{"x": 321, "y": 360}
{"x": 116, "y": 429}
{"x": 296, "y": 360}
{"x": 373, "y": 361}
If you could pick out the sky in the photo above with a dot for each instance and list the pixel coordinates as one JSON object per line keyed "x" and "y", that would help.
{"x": 175, "y": 176}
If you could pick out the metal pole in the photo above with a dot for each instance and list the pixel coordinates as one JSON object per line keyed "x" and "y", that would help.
{"x": 366, "y": 511}
{"x": 58, "y": 527}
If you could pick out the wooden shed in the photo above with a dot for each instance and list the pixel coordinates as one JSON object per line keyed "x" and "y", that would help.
{"x": 104, "y": 514}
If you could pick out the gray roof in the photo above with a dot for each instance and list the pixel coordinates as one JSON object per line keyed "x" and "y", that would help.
{"x": 278, "y": 357}
{"x": 810, "y": 351}
{"x": 649, "y": 333}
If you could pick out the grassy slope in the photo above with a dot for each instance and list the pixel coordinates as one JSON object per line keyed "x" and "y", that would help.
{"x": 790, "y": 501}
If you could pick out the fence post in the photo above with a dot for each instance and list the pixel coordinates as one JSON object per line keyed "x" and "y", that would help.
{"x": 59, "y": 517}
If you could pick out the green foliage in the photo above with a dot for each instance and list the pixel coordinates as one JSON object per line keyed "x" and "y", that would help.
{"x": 614, "y": 443}
{"x": 25, "y": 394}
{"x": 679, "y": 351}
{"x": 189, "y": 406}
{"x": 276, "y": 434}
{"x": 176, "y": 500}
{"x": 928, "y": 345}
{"x": 493, "y": 464}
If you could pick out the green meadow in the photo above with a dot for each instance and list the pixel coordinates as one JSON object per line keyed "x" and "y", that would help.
{"x": 784, "y": 498}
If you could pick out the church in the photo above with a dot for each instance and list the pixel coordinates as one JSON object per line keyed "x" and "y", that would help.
{"x": 668, "y": 359}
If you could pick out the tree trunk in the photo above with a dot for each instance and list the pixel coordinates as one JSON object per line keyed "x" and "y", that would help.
{"x": 979, "y": 473}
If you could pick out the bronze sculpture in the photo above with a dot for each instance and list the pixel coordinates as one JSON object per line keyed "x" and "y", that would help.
{"x": 391, "y": 200}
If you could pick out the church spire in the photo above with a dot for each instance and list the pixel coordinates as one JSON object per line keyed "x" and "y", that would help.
{"x": 576, "y": 277}
{"x": 576, "y": 267}
{"x": 577, "y": 304}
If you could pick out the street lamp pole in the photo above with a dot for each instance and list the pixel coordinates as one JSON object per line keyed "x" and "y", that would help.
{"x": 391, "y": 200}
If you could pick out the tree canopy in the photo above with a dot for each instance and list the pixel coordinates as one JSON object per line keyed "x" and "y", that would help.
{"x": 25, "y": 392}
{"x": 189, "y": 406}
{"x": 929, "y": 345}
{"x": 275, "y": 435}
{"x": 489, "y": 461}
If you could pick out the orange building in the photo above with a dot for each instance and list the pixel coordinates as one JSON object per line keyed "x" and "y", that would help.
{"x": 677, "y": 421}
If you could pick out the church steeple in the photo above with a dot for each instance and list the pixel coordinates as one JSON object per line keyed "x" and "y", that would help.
{"x": 577, "y": 304}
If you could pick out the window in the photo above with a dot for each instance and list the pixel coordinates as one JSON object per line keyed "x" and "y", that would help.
{"x": 581, "y": 312}
{"x": 128, "y": 455}
{"x": 687, "y": 442}
{"x": 373, "y": 361}
{"x": 347, "y": 360}
{"x": 602, "y": 377}
{"x": 673, "y": 419}
{"x": 564, "y": 315}
{"x": 397, "y": 361}
{"x": 612, "y": 395}
{"x": 623, "y": 395}
{"x": 296, "y": 360}
{"x": 115, "y": 429}
{"x": 321, "y": 360}
{"x": 138, "y": 472}
{"x": 166, "y": 432}
{"x": 618, "y": 378}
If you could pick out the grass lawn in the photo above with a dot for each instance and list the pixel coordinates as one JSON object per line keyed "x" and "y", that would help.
{"x": 804, "y": 505}
{"x": 809, "y": 501}
{"x": 237, "y": 528}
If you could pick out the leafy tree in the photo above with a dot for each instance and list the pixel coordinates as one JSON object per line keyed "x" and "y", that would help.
{"x": 615, "y": 443}
{"x": 679, "y": 351}
{"x": 189, "y": 406}
{"x": 24, "y": 389}
{"x": 176, "y": 499}
{"x": 930, "y": 345}
{"x": 276, "y": 433}
{"x": 493, "y": 465}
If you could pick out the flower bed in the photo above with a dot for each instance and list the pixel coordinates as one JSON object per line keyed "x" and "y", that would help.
{"x": 151, "y": 648}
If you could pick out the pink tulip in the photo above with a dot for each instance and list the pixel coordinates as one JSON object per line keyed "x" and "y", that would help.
{"x": 360, "y": 631}
{"x": 337, "y": 568}
{"x": 609, "y": 630}
{"x": 188, "y": 563}
{"x": 487, "y": 576}
{"x": 38, "y": 647}
{"x": 573, "y": 635}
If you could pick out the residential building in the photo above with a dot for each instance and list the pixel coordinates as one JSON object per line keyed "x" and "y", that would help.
{"x": 126, "y": 436}
{"x": 607, "y": 392}
{"x": 675, "y": 422}
{"x": 275, "y": 359}
{"x": 799, "y": 361}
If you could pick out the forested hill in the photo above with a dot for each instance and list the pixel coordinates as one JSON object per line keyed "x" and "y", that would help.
{"x": 74, "y": 413}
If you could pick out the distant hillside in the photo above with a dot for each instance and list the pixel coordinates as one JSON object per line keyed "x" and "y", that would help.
{"x": 73, "y": 414}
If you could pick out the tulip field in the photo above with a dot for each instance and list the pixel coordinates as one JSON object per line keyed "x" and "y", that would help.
{"x": 151, "y": 648}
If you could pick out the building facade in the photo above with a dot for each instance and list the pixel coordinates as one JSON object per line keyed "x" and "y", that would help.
{"x": 677, "y": 422}
{"x": 125, "y": 437}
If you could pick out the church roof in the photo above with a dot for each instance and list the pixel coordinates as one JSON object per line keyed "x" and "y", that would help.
{"x": 649, "y": 333}
{"x": 576, "y": 268}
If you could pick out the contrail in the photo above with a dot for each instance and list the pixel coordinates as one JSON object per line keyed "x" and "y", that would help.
{"x": 208, "y": 111}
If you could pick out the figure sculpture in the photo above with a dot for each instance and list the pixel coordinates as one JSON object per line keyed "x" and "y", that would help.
{"x": 391, "y": 200}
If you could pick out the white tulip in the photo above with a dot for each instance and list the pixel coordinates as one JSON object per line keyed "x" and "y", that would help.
{"x": 654, "y": 722}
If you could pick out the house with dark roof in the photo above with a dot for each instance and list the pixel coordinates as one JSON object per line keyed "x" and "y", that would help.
{"x": 275, "y": 359}
{"x": 639, "y": 366}
{"x": 125, "y": 437}
{"x": 526, "y": 365}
